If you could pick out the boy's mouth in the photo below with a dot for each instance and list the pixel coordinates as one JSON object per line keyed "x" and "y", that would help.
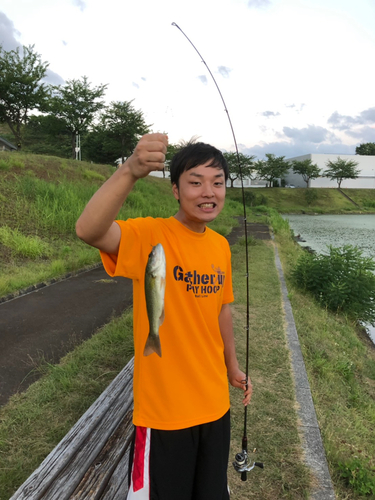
{"x": 207, "y": 205}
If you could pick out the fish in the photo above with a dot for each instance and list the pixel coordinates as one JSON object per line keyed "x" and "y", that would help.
{"x": 154, "y": 294}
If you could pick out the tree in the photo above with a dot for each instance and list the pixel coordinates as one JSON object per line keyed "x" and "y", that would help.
{"x": 367, "y": 149}
{"x": 46, "y": 134}
{"x": 77, "y": 104}
{"x": 307, "y": 169}
{"x": 341, "y": 169}
{"x": 21, "y": 89}
{"x": 246, "y": 164}
{"x": 126, "y": 125}
{"x": 271, "y": 169}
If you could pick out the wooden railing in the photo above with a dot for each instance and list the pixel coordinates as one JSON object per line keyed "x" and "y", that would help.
{"x": 91, "y": 461}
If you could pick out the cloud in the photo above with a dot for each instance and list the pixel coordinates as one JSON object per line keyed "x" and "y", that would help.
{"x": 65, "y": 43}
{"x": 143, "y": 78}
{"x": 135, "y": 85}
{"x": 310, "y": 134}
{"x": 294, "y": 106}
{"x": 291, "y": 149}
{"x": 53, "y": 78}
{"x": 345, "y": 122}
{"x": 224, "y": 71}
{"x": 203, "y": 79}
{"x": 363, "y": 134}
{"x": 258, "y": 3}
{"x": 8, "y": 33}
{"x": 80, "y": 3}
{"x": 268, "y": 114}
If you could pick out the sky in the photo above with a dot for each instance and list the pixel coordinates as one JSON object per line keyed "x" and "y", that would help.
{"x": 297, "y": 76}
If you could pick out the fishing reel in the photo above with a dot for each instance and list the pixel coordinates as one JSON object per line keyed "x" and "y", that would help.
{"x": 243, "y": 464}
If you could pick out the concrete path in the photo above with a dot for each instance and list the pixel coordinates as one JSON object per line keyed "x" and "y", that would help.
{"x": 311, "y": 438}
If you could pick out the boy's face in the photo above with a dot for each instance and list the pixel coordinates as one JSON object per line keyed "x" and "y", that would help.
{"x": 201, "y": 193}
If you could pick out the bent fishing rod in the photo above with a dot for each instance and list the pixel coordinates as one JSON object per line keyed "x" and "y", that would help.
{"x": 242, "y": 462}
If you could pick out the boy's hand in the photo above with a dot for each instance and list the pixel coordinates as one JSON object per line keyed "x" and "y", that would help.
{"x": 238, "y": 379}
{"x": 148, "y": 155}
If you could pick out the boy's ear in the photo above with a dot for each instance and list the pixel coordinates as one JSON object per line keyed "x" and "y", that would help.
{"x": 175, "y": 191}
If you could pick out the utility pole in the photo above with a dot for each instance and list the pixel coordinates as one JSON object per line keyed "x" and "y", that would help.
{"x": 78, "y": 146}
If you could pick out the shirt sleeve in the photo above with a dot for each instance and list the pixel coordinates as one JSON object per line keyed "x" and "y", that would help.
{"x": 127, "y": 262}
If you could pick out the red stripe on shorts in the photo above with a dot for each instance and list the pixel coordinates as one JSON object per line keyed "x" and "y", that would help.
{"x": 139, "y": 458}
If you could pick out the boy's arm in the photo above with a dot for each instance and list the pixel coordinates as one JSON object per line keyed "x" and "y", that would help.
{"x": 96, "y": 225}
{"x": 237, "y": 377}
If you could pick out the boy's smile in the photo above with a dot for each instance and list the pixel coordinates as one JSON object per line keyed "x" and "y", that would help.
{"x": 201, "y": 193}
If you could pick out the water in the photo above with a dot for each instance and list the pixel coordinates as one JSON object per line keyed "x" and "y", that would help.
{"x": 319, "y": 231}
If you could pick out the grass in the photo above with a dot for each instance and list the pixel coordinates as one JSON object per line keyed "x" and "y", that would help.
{"x": 40, "y": 204}
{"x": 328, "y": 201}
{"x": 272, "y": 428}
{"x": 35, "y": 421}
{"x": 340, "y": 362}
{"x": 340, "y": 359}
{"x": 32, "y": 423}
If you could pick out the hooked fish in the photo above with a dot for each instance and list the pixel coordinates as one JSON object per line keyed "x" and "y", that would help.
{"x": 154, "y": 292}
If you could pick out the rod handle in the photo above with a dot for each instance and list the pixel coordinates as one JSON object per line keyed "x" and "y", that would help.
{"x": 244, "y": 476}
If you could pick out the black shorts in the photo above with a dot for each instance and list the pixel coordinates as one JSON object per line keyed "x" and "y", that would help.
{"x": 187, "y": 464}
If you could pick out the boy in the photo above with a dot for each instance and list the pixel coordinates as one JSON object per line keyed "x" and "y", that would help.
{"x": 181, "y": 396}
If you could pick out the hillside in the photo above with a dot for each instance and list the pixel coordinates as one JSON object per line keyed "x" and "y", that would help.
{"x": 41, "y": 198}
{"x": 321, "y": 201}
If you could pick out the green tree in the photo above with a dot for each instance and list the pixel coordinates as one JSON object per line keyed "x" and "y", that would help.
{"x": 367, "y": 149}
{"x": 340, "y": 169}
{"x": 21, "y": 88}
{"x": 246, "y": 163}
{"x": 99, "y": 146}
{"x": 47, "y": 134}
{"x": 77, "y": 104}
{"x": 307, "y": 169}
{"x": 126, "y": 125}
{"x": 271, "y": 169}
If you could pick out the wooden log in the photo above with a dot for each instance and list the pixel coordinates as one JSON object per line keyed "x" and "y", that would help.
{"x": 97, "y": 477}
{"x": 63, "y": 469}
{"x": 117, "y": 488}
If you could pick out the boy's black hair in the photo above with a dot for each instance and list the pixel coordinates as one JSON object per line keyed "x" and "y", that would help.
{"x": 195, "y": 154}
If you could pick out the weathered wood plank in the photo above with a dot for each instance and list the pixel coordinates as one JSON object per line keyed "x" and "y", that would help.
{"x": 117, "y": 488}
{"x": 99, "y": 474}
{"x": 62, "y": 470}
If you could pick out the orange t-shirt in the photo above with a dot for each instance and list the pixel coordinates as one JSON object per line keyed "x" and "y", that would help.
{"x": 188, "y": 385}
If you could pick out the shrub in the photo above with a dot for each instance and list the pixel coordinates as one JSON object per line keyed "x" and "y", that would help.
{"x": 342, "y": 281}
{"x": 358, "y": 476}
{"x": 249, "y": 198}
{"x": 310, "y": 196}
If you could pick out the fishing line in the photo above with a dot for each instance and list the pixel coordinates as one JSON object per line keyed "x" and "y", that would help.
{"x": 241, "y": 463}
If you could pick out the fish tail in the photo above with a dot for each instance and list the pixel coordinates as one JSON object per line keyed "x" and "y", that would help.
{"x": 152, "y": 345}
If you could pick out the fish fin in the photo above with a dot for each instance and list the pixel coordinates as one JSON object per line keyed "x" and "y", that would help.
{"x": 152, "y": 345}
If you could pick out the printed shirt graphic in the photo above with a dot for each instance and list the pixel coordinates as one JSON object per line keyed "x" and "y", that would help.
{"x": 188, "y": 385}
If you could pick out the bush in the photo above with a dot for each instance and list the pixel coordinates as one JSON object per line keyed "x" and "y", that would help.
{"x": 310, "y": 196}
{"x": 358, "y": 476}
{"x": 342, "y": 281}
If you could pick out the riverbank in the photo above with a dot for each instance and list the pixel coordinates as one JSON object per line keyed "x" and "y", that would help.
{"x": 309, "y": 201}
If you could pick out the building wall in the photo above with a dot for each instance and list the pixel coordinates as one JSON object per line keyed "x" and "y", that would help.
{"x": 365, "y": 180}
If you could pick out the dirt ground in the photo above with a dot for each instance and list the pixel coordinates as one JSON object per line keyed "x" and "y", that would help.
{"x": 51, "y": 320}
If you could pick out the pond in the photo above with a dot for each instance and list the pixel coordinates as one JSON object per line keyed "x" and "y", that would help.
{"x": 319, "y": 231}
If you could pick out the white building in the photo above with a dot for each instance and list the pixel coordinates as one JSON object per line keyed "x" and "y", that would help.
{"x": 365, "y": 180}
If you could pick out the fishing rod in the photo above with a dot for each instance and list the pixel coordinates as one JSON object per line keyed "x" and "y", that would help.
{"x": 242, "y": 462}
